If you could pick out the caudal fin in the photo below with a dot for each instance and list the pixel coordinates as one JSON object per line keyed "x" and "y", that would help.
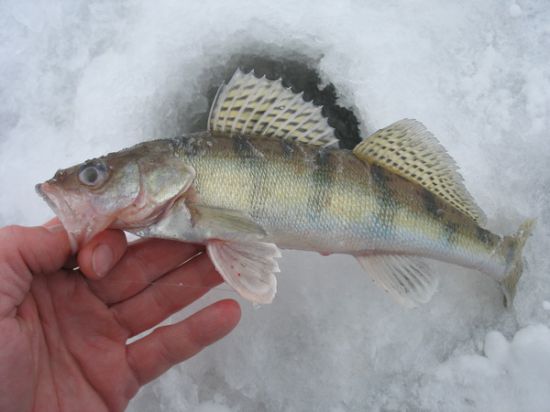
{"x": 514, "y": 248}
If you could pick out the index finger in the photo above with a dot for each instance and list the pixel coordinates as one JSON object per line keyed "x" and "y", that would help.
{"x": 144, "y": 262}
{"x": 24, "y": 252}
{"x": 41, "y": 249}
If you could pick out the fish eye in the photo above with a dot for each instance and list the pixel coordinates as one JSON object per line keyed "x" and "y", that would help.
{"x": 92, "y": 174}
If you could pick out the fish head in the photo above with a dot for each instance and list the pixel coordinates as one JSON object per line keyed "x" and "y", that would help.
{"x": 125, "y": 190}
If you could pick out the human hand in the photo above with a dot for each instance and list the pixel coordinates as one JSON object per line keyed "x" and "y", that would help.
{"x": 63, "y": 332}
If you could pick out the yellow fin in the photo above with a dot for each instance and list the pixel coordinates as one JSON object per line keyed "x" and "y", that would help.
{"x": 409, "y": 150}
{"x": 249, "y": 105}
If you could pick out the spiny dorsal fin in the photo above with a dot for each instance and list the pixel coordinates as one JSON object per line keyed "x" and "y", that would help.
{"x": 409, "y": 150}
{"x": 248, "y": 105}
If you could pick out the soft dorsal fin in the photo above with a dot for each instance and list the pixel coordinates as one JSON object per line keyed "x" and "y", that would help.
{"x": 409, "y": 150}
{"x": 248, "y": 105}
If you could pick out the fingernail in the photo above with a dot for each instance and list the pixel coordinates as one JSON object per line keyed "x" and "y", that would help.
{"x": 102, "y": 259}
{"x": 53, "y": 225}
{"x": 55, "y": 228}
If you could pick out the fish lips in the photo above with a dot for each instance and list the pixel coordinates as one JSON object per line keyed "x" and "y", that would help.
{"x": 78, "y": 226}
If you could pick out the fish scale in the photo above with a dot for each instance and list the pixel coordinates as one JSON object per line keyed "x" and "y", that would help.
{"x": 304, "y": 200}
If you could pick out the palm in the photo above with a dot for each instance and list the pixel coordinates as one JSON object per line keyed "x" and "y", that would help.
{"x": 64, "y": 345}
{"x": 74, "y": 339}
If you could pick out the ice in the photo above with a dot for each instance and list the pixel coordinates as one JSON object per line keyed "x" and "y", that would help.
{"x": 516, "y": 372}
{"x": 81, "y": 78}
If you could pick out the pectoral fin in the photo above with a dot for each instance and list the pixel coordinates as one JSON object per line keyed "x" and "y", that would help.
{"x": 407, "y": 279}
{"x": 224, "y": 223}
{"x": 248, "y": 267}
{"x": 195, "y": 222}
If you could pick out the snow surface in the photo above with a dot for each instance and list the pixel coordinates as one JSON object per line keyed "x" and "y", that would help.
{"x": 80, "y": 78}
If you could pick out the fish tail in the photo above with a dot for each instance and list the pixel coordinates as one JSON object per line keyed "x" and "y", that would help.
{"x": 513, "y": 248}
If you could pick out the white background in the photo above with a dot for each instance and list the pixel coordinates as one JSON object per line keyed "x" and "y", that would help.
{"x": 81, "y": 78}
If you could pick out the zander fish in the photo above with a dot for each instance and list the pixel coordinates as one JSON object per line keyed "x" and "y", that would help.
{"x": 266, "y": 175}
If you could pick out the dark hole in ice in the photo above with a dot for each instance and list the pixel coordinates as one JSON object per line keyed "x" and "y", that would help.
{"x": 300, "y": 74}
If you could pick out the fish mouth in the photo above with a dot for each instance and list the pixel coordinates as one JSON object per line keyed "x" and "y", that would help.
{"x": 40, "y": 189}
{"x": 63, "y": 211}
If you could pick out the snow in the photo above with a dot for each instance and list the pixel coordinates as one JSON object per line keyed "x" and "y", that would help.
{"x": 516, "y": 372}
{"x": 81, "y": 78}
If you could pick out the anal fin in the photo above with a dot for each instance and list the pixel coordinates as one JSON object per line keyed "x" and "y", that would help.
{"x": 407, "y": 279}
{"x": 248, "y": 267}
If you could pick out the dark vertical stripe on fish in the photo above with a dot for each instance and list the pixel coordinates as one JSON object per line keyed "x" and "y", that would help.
{"x": 384, "y": 215}
{"x": 242, "y": 147}
{"x": 430, "y": 202}
{"x": 485, "y": 237}
{"x": 321, "y": 184}
{"x": 191, "y": 146}
{"x": 287, "y": 148}
{"x": 450, "y": 232}
{"x": 253, "y": 160}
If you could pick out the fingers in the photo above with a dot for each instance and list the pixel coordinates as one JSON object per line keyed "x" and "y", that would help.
{"x": 168, "y": 345}
{"x": 101, "y": 254}
{"x": 41, "y": 249}
{"x": 24, "y": 252}
{"x": 168, "y": 295}
{"x": 142, "y": 263}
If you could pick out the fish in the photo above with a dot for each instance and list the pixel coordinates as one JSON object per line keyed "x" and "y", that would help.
{"x": 267, "y": 174}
